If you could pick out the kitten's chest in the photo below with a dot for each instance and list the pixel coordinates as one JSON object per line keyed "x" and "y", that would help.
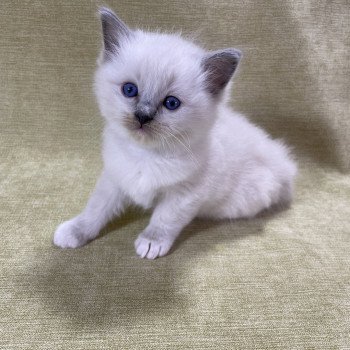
{"x": 143, "y": 176}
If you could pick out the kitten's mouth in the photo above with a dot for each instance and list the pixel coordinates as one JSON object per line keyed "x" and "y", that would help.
{"x": 140, "y": 132}
{"x": 143, "y": 129}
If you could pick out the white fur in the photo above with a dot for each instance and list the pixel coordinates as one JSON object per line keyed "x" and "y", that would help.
{"x": 202, "y": 159}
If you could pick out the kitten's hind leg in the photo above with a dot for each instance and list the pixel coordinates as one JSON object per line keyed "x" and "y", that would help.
{"x": 259, "y": 191}
{"x": 105, "y": 202}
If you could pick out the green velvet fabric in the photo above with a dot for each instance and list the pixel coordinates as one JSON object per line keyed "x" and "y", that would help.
{"x": 280, "y": 281}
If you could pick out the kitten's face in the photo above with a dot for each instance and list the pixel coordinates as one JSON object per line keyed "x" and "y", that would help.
{"x": 155, "y": 87}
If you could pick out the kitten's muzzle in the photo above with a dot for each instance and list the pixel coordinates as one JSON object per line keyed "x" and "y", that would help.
{"x": 144, "y": 118}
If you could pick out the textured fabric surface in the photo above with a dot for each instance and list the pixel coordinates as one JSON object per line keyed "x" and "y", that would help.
{"x": 280, "y": 281}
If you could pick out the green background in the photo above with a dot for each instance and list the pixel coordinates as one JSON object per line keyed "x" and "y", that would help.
{"x": 279, "y": 281}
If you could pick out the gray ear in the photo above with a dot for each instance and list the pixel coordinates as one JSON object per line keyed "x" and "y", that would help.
{"x": 113, "y": 30}
{"x": 220, "y": 66}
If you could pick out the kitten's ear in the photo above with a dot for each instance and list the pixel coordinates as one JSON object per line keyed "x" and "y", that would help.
{"x": 220, "y": 66}
{"x": 113, "y": 29}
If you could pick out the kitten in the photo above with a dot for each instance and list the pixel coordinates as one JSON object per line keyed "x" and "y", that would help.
{"x": 171, "y": 142}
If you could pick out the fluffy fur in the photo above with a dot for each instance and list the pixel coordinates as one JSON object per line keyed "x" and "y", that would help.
{"x": 201, "y": 159}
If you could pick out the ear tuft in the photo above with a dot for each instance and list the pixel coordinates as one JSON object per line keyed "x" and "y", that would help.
{"x": 220, "y": 66}
{"x": 113, "y": 29}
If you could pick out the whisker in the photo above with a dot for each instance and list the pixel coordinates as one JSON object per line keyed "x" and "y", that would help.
{"x": 187, "y": 148}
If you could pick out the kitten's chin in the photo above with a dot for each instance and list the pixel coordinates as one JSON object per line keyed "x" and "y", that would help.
{"x": 142, "y": 134}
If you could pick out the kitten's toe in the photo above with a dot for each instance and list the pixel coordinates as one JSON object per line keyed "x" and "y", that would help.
{"x": 68, "y": 235}
{"x": 152, "y": 248}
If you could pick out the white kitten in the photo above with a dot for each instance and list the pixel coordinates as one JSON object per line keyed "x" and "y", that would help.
{"x": 171, "y": 141}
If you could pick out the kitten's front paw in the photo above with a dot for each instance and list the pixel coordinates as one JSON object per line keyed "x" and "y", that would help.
{"x": 69, "y": 235}
{"x": 151, "y": 245}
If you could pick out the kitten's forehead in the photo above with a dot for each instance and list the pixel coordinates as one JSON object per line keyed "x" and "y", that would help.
{"x": 158, "y": 62}
{"x": 164, "y": 47}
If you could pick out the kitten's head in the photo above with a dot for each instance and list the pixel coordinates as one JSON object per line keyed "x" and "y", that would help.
{"x": 159, "y": 88}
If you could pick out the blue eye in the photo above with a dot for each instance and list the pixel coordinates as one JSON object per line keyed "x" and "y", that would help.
{"x": 171, "y": 103}
{"x": 130, "y": 90}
